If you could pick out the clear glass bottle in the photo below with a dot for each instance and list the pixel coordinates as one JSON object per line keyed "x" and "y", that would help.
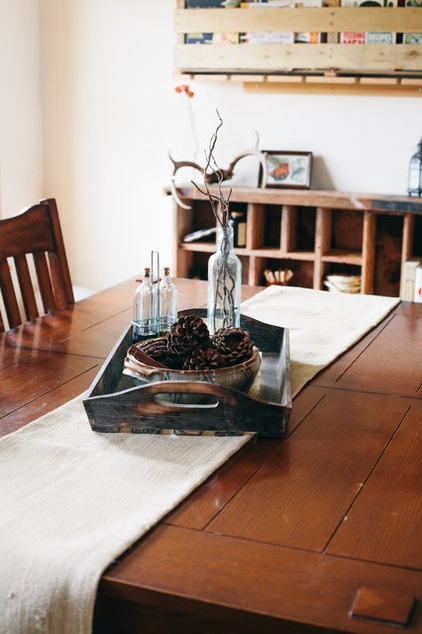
{"x": 146, "y": 309}
{"x": 415, "y": 173}
{"x": 168, "y": 302}
{"x": 224, "y": 283}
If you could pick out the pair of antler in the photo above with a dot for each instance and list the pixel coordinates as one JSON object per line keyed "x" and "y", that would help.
{"x": 217, "y": 175}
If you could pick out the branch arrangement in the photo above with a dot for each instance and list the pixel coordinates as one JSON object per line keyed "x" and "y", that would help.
{"x": 219, "y": 203}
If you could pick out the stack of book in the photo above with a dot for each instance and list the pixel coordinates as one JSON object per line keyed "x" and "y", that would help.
{"x": 254, "y": 37}
{"x": 210, "y": 38}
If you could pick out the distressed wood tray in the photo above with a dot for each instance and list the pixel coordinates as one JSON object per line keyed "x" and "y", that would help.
{"x": 113, "y": 404}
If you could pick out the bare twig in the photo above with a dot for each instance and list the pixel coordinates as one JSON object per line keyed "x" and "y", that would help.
{"x": 219, "y": 203}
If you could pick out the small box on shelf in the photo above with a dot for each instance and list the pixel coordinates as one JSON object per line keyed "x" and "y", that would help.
{"x": 418, "y": 285}
{"x": 409, "y": 277}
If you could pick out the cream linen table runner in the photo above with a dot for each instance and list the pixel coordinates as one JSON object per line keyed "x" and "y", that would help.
{"x": 321, "y": 325}
{"x": 72, "y": 500}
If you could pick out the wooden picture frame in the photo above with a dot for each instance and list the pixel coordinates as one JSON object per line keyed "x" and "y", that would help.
{"x": 290, "y": 170}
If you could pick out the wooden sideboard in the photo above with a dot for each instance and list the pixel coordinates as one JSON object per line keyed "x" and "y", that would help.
{"x": 311, "y": 232}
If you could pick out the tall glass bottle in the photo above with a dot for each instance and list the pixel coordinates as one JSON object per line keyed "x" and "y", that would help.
{"x": 146, "y": 309}
{"x": 224, "y": 283}
{"x": 168, "y": 302}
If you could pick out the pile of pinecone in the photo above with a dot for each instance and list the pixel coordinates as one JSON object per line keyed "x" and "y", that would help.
{"x": 189, "y": 346}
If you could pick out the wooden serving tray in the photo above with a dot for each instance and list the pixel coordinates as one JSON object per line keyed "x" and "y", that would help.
{"x": 113, "y": 404}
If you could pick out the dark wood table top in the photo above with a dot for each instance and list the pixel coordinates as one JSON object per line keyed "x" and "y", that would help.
{"x": 318, "y": 532}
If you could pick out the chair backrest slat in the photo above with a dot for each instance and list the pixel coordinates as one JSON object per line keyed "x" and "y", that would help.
{"x": 8, "y": 294}
{"x": 26, "y": 287}
{"x": 46, "y": 289}
{"x": 36, "y": 231}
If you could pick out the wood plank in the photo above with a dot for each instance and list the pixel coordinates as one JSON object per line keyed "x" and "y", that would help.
{"x": 51, "y": 370}
{"x": 276, "y": 254}
{"x": 8, "y": 294}
{"x": 396, "y": 481}
{"x": 53, "y": 398}
{"x": 323, "y": 241}
{"x": 198, "y": 510}
{"x": 317, "y": 198}
{"x": 316, "y": 474}
{"x": 8, "y": 354}
{"x": 255, "y": 227}
{"x": 330, "y": 20}
{"x": 288, "y": 229}
{"x": 393, "y": 608}
{"x": 343, "y": 256}
{"x": 392, "y": 363}
{"x": 368, "y": 252}
{"x": 241, "y": 586}
{"x": 26, "y": 287}
{"x": 267, "y": 58}
{"x": 336, "y": 86}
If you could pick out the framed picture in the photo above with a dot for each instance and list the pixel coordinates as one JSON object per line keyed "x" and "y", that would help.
{"x": 288, "y": 169}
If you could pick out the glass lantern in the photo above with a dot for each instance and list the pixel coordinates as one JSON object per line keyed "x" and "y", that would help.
{"x": 415, "y": 173}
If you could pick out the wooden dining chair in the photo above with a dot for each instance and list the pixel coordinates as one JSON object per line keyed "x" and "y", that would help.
{"x": 34, "y": 273}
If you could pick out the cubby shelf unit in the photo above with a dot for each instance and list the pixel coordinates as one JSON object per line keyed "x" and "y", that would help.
{"x": 313, "y": 233}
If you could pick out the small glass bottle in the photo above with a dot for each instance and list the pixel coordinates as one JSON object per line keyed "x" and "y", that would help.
{"x": 146, "y": 309}
{"x": 168, "y": 302}
{"x": 224, "y": 283}
{"x": 238, "y": 222}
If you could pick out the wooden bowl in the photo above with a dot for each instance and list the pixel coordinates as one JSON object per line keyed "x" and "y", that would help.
{"x": 239, "y": 376}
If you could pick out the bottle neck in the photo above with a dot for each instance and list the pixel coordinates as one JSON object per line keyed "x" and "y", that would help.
{"x": 225, "y": 239}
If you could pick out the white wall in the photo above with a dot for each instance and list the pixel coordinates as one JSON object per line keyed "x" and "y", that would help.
{"x": 110, "y": 115}
{"x": 21, "y": 165}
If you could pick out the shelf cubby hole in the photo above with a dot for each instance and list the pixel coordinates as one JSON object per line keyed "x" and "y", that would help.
{"x": 389, "y": 234}
{"x": 199, "y": 266}
{"x": 303, "y": 271}
{"x": 346, "y": 231}
{"x": 272, "y": 227}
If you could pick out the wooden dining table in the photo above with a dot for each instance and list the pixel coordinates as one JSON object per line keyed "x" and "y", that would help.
{"x": 320, "y": 531}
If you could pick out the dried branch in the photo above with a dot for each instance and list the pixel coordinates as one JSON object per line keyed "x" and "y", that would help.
{"x": 219, "y": 203}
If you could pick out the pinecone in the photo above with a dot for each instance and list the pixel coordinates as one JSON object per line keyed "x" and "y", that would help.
{"x": 187, "y": 334}
{"x": 234, "y": 344}
{"x": 156, "y": 350}
{"x": 200, "y": 359}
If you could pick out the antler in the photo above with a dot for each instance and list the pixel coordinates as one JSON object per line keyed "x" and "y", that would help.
{"x": 179, "y": 164}
{"x": 226, "y": 174}
{"x": 176, "y": 166}
{"x": 254, "y": 151}
{"x": 219, "y": 175}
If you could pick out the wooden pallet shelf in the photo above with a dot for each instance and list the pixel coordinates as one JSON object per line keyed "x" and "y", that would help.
{"x": 323, "y": 67}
